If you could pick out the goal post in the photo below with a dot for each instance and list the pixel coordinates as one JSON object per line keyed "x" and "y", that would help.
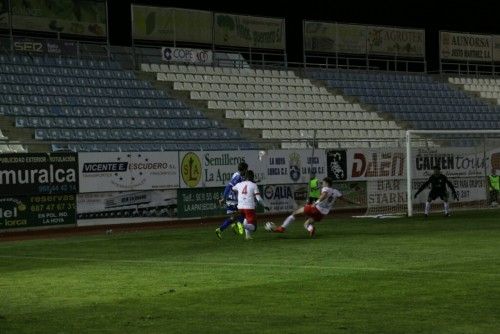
{"x": 468, "y": 158}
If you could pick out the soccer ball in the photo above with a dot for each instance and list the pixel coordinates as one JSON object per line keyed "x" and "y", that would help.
{"x": 269, "y": 226}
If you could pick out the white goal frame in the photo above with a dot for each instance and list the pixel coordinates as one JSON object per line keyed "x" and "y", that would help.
{"x": 409, "y": 134}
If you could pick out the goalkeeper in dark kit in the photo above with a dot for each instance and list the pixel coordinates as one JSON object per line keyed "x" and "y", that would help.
{"x": 438, "y": 184}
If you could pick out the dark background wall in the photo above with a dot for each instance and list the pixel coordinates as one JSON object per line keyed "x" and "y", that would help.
{"x": 467, "y": 16}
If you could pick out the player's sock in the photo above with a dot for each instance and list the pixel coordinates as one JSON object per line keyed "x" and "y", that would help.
{"x": 249, "y": 229}
{"x": 446, "y": 208}
{"x": 288, "y": 221}
{"x": 310, "y": 229}
{"x": 226, "y": 224}
{"x": 427, "y": 207}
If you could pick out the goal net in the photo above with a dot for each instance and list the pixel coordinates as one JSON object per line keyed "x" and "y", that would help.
{"x": 467, "y": 158}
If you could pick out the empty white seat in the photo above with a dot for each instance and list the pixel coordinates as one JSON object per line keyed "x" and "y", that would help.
{"x": 174, "y": 68}
{"x": 145, "y": 67}
{"x": 282, "y": 134}
{"x": 356, "y": 107}
{"x": 161, "y": 77}
{"x": 196, "y": 96}
{"x": 164, "y": 68}
{"x": 155, "y": 67}
{"x": 231, "y": 114}
{"x": 5, "y": 148}
{"x": 267, "y": 134}
{"x": 249, "y": 124}
{"x": 17, "y": 148}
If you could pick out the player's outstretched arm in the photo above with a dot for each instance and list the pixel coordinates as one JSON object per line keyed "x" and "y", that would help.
{"x": 452, "y": 187}
{"x": 422, "y": 187}
{"x": 261, "y": 201}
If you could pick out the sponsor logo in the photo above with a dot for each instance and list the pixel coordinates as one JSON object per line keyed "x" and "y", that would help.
{"x": 191, "y": 169}
{"x": 294, "y": 159}
{"x": 103, "y": 167}
{"x": 202, "y": 56}
{"x": 11, "y": 209}
{"x": 167, "y": 54}
{"x": 129, "y": 199}
{"x": 29, "y": 46}
{"x": 37, "y": 176}
{"x": 278, "y": 192}
{"x": 128, "y": 170}
{"x": 337, "y": 165}
{"x": 285, "y": 192}
{"x": 377, "y": 164}
{"x": 186, "y": 55}
{"x": 224, "y": 159}
{"x": 134, "y": 177}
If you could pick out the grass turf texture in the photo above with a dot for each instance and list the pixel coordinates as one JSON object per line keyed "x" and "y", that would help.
{"x": 357, "y": 276}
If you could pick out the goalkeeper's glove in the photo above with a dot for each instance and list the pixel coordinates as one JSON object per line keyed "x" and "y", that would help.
{"x": 456, "y": 196}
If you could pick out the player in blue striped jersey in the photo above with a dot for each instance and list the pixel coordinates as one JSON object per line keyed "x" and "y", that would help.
{"x": 230, "y": 199}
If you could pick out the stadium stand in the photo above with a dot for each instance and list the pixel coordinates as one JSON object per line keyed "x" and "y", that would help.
{"x": 417, "y": 99}
{"x": 98, "y": 103}
{"x": 486, "y": 88}
{"x": 279, "y": 104}
{"x": 90, "y": 105}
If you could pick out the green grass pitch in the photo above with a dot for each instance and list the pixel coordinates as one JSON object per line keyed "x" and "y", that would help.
{"x": 357, "y": 276}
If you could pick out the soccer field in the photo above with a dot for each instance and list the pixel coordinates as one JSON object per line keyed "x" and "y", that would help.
{"x": 356, "y": 276}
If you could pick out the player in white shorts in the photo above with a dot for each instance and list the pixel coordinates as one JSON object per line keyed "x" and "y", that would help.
{"x": 317, "y": 210}
{"x": 248, "y": 193}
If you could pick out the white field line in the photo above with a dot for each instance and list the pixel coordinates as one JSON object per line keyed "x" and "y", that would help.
{"x": 258, "y": 265}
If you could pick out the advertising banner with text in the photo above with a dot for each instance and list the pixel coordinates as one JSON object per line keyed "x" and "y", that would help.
{"x": 125, "y": 171}
{"x": 47, "y": 46}
{"x": 378, "y": 164}
{"x": 172, "y": 24}
{"x": 496, "y": 48}
{"x": 351, "y": 38}
{"x": 126, "y": 207}
{"x": 334, "y": 37}
{"x": 460, "y": 46}
{"x": 185, "y": 55}
{"x": 249, "y": 31}
{"x": 391, "y": 193}
{"x": 289, "y": 197}
{"x": 76, "y": 17}
{"x": 396, "y": 41}
{"x": 200, "y": 202}
{"x": 216, "y": 168}
{"x": 294, "y": 166}
{"x": 361, "y": 39}
{"x": 38, "y": 173}
{"x": 35, "y": 211}
{"x": 4, "y": 14}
